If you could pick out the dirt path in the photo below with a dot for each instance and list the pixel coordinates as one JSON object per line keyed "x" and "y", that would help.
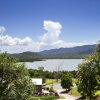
{"x": 59, "y": 89}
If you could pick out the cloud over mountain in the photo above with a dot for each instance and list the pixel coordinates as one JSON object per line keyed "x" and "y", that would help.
{"x": 49, "y": 39}
{"x": 52, "y": 36}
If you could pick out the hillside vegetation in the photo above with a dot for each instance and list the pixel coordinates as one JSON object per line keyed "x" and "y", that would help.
{"x": 78, "y": 52}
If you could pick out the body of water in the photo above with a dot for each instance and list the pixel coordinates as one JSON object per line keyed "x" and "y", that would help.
{"x": 55, "y": 64}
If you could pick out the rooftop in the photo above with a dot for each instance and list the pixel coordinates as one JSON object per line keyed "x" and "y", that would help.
{"x": 37, "y": 81}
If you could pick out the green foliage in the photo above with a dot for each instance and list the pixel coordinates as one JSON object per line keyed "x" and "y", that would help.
{"x": 51, "y": 89}
{"x": 62, "y": 53}
{"x": 27, "y": 57}
{"x": 41, "y": 68}
{"x": 33, "y": 98}
{"x": 74, "y": 92}
{"x": 37, "y": 73}
{"x": 66, "y": 81}
{"x": 50, "y": 81}
{"x": 74, "y": 73}
{"x": 48, "y": 74}
{"x": 15, "y": 83}
{"x": 49, "y": 97}
{"x": 89, "y": 74}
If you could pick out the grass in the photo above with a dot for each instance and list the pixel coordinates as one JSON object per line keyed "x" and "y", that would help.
{"x": 51, "y": 81}
{"x": 49, "y": 97}
{"x": 74, "y": 92}
{"x": 97, "y": 93}
{"x": 74, "y": 80}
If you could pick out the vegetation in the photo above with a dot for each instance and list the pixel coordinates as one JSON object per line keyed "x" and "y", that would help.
{"x": 15, "y": 83}
{"x": 74, "y": 92}
{"x": 49, "y": 56}
{"x": 50, "y": 81}
{"x": 66, "y": 81}
{"x": 62, "y": 53}
{"x": 89, "y": 74}
{"x": 27, "y": 59}
{"x": 97, "y": 93}
{"x": 49, "y": 97}
{"x": 50, "y": 75}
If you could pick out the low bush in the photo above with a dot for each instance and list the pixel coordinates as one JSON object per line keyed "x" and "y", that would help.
{"x": 43, "y": 98}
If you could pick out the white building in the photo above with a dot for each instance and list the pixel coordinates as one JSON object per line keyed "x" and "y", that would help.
{"x": 38, "y": 83}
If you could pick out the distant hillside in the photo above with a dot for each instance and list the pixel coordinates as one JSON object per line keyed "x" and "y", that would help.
{"x": 27, "y": 56}
{"x": 76, "y": 49}
{"x": 62, "y": 53}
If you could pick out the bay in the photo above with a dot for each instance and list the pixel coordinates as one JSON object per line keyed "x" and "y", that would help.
{"x": 55, "y": 64}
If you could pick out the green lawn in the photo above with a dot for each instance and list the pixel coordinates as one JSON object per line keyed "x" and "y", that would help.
{"x": 50, "y": 81}
{"x": 97, "y": 93}
{"x": 74, "y": 92}
{"x": 49, "y": 97}
{"x": 74, "y": 80}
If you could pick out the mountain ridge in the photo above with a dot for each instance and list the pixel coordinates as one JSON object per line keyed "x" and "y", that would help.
{"x": 61, "y": 53}
{"x": 69, "y": 50}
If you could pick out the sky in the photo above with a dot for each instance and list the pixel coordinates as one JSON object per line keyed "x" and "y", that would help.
{"x": 36, "y": 25}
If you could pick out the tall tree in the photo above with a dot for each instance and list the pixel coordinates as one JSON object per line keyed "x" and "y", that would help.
{"x": 15, "y": 83}
{"x": 89, "y": 74}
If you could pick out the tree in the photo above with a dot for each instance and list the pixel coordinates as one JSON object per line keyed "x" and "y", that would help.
{"x": 15, "y": 83}
{"x": 41, "y": 68}
{"x": 89, "y": 74}
{"x": 66, "y": 81}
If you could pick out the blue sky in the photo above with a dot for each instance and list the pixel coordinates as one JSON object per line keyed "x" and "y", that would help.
{"x": 27, "y": 21}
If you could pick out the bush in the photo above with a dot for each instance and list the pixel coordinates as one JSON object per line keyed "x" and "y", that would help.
{"x": 66, "y": 81}
{"x": 51, "y": 89}
{"x": 43, "y": 98}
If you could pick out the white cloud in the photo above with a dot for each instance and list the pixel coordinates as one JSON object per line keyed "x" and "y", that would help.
{"x": 53, "y": 31}
{"x": 64, "y": 44}
{"x": 49, "y": 39}
{"x": 52, "y": 36}
{"x": 10, "y": 41}
{"x": 2, "y": 29}
{"x": 19, "y": 48}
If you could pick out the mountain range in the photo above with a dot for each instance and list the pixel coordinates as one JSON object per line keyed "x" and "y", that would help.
{"x": 61, "y": 53}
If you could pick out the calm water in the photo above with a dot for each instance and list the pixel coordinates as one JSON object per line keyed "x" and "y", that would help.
{"x": 55, "y": 64}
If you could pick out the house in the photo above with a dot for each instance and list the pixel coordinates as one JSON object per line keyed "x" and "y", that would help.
{"x": 38, "y": 83}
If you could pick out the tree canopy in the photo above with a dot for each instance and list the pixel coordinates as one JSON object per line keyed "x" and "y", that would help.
{"x": 89, "y": 74}
{"x": 66, "y": 81}
{"x": 15, "y": 83}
